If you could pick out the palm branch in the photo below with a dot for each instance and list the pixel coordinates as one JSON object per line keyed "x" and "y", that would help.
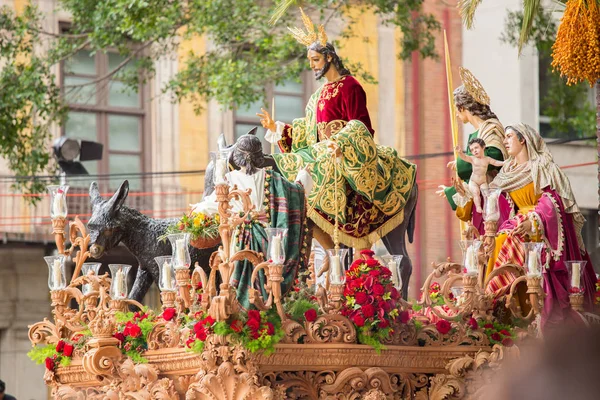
{"x": 281, "y": 9}
{"x": 466, "y": 9}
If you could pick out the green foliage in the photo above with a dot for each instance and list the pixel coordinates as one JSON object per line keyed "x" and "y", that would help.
{"x": 39, "y": 353}
{"x": 246, "y": 54}
{"x": 136, "y": 356}
{"x": 370, "y": 340}
{"x": 299, "y": 307}
{"x": 571, "y": 114}
{"x": 197, "y": 346}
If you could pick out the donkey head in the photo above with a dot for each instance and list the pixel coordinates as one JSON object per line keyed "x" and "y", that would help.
{"x": 105, "y": 227}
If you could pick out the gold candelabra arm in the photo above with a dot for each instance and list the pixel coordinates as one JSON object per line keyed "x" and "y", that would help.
{"x": 82, "y": 241}
{"x": 58, "y": 229}
{"x": 440, "y": 269}
{"x": 182, "y": 277}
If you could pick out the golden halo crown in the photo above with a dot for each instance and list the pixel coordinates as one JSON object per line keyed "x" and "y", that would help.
{"x": 473, "y": 86}
{"x": 311, "y": 35}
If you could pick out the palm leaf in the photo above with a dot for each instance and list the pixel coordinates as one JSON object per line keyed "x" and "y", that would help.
{"x": 281, "y": 9}
{"x": 466, "y": 9}
{"x": 530, "y": 10}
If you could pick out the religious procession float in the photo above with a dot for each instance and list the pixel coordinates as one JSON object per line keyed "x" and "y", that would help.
{"x": 252, "y": 310}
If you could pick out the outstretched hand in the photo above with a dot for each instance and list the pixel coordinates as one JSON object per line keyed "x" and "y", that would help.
{"x": 266, "y": 120}
{"x": 442, "y": 191}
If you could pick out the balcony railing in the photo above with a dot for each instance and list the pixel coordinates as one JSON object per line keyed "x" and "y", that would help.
{"x": 159, "y": 197}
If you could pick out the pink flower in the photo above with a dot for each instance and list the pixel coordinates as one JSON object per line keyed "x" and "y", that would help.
{"x": 443, "y": 326}
{"x": 310, "y": 315}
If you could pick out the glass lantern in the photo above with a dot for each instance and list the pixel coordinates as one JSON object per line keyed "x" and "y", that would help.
{"x": 470, "y": 250}
{"x": 337, "y": 270}
{"x": 180, "y": 250}
{"x": 394, "y": 264}
{"x": 575, "y": 269}
{"x": 491, "y": 208}
{"x": 167, "y": 281}
{"x": 56, "y": 272}
{"x": 58, "y": 200}
{"x": 118, "y": 286}
{"x": 85, "y": 269}
{"x": 533, "y": 258}
{"x": 221, "y": 166}
{"x": 319, "y": 263}
{"x": 277, "y": 238}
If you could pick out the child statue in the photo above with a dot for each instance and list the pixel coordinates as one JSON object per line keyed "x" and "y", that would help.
{"x": 480, "y": 163}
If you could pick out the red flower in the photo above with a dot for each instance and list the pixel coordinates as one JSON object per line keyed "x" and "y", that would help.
{"x": 181, "y": 227}
{"x": 496, "y": 336}
{"x": 435, "y": 287}
{"x": 201, "y": 334}
{"x": 383, "y": 324}
{"x": 132, "y": 330}
{"x": 50, "y": 364}
{"x": 378, "y": 290}
{"x": 236, "y": 326}
{"x": 473, "y": 323}
{"x": 310, "y": 315}
{"x": 60, "y": 346}
{"x": 358, "y": 320}
{"x": 368, "y": 310}
{"x": 395, "y": 294}
{"x": 199, "y": 286}
{"x": 367, "y": 252}
{"x": 119, "y": 336}
{"x": 443, "y": 326}
{"x": 369, "y": 283}
{"x": 68, "y": 350}
{"x": 505, "y": 332}
{"x": 198, "y": 326}
{"x": 508, "y": 342}
{"x": 371, "y": 262}
{"x": 253, "y": 324}
{"x": 404, "y": 317}
{"x": 386, "y": 306}
{"x": 270, "y": 329}
{"x": 375, "y": 272}
{"x": 168, "y": 314}
{"x": 361, "y": 298}
{"x": 489, "y": 326}
{"x": 254, "y": 314}
{"x": 140, "y": 316}
{"x": 296, "y": 289}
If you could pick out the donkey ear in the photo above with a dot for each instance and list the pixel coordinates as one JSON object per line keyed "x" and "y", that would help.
{"x": 95, "y": 193}
{"x": 222, "y": 142}
{"x": 253, "y": 131}
{"x": 117, "y": 200}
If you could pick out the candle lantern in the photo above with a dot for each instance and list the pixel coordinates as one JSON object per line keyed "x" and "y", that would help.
{"x": 337, "y": 270}
{"x": 394, "y": 264}
{"x": 181, "y": 255}
{"x": 85, "y": 269}
{"x": 470, "y": 249}
{"x": 533, "y": 258}
{"x": 575, "y": 269}
{"x": 167, "y": 281}
{"x": 58, "y": 201}
{"x": 491, "y": 209}
{"x": 56, "y": 272}
{"x": 118, "y": 286}
{"x": 277, "y": 239}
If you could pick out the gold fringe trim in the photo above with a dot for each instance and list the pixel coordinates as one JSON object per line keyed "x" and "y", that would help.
{"x": 364, "y": 242}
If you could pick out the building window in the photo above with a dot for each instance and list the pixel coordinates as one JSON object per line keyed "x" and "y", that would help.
{"x": 290, "y": 101}
{"x": 565, "y": 111}
{"x": 105, "y": 112}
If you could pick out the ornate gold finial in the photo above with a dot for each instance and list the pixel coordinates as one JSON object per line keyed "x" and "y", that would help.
{"x": 473, "y": 86}
{"x": 311, "y": 35}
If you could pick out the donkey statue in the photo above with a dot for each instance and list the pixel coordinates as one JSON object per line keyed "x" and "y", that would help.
{"x": 394, "y": 241}
{"x": 112, "y": 222}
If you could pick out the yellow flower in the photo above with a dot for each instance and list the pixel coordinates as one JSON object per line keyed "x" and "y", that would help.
{"x": 197, "y": 222}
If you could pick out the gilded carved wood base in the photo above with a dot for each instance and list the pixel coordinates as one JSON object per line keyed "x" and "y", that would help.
{"x": 293, "y": 371}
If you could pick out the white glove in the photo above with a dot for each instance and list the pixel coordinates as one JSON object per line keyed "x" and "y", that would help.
{"x": 274, "y": 137}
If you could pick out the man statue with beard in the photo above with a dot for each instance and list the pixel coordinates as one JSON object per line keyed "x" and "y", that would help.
{"x": 362, "y": 186}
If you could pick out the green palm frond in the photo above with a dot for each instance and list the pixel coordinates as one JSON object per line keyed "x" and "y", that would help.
{"x": 282, "y": 8}
{"x": 466, "y": 9}
{"x": 530, "y": 10}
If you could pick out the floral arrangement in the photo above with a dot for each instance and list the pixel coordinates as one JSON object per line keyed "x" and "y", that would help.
{"x": 497, "y": 333}
{"x": 132, "y": 332}
{"x": 371, "y": 300}
{"x": 60, "y": 353}
{"x": 197, "y": 224}
{"x": 258, "y": 331}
